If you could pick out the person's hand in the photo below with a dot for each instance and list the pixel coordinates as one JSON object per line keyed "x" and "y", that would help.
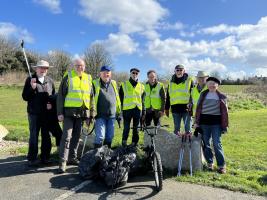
{"x": 167, "y": 113}
{"x": 89, "y": 120}
{"x": 224, "y": 130}
{"x": 161, "y": 113}
{"x": 60, "y": 118}
{"x": 48, "y": 106}
{"x": 33, "y": 83}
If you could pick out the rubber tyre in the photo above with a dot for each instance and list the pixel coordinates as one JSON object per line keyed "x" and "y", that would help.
{"x": 157, "y": 169}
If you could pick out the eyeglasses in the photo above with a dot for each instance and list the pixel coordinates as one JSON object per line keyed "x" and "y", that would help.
{"x": 179, "y": 70}
{"x": 135, "y": 73}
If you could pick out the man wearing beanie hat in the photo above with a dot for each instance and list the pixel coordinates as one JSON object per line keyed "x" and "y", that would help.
{"x": 132, "y": 96}
{"x": 179, "y": 99}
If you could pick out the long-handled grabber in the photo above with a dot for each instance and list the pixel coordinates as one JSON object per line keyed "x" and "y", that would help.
{"x": 26, "y": 59}
{"x": 181, "y": 155}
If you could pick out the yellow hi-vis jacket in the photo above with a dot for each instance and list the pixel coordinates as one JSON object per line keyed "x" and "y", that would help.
{"x": 195, "y": 94}
{"x": 114, "y": 85}
{"x": 180, "y": 93}
{"x": 79, "y": 90}
{"x": 153, "y": 99}
{"x": 132, "y": 95}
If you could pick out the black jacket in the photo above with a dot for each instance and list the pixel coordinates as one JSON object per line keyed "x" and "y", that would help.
{"x": 38, "y": 98}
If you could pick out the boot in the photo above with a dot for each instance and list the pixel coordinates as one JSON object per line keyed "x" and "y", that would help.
{"x": 97, "y": 146}
{"x": 107, "y": 143}
{"x": 62, "y": 167}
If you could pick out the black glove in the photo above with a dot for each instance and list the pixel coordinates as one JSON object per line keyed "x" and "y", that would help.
{"x": 118, "y": 118}
{"x": 197, "y": 131}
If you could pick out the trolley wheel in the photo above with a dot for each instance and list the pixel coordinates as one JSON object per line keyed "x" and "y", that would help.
{"x": 157, "y": 169}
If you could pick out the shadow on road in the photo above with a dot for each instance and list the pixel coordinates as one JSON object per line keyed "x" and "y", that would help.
{"x": 18, "y": 165}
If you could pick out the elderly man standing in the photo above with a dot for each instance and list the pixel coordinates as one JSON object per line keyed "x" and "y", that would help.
{"x": 108, "y": 107}
{"x": 36, "y": 92}
{"x": 155, "y": 99}
{"x": 75, "y": 103}
{"x": 198, "y": 88}
{"x": 179, "y": 99}
{"x": 132, "y": 96}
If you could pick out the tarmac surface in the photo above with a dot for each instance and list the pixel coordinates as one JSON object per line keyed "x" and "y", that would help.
{"x": 18, "y": 181}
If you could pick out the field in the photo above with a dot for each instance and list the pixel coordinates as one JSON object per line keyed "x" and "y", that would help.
{"x": 245, "y": 144}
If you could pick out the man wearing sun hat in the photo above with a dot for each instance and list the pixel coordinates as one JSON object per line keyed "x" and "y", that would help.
{"x": 198, "y": 88}
{"x": 108, "y": 107}
{"x": 36, "y": 92}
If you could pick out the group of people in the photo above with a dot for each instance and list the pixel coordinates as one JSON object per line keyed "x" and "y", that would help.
{"x": 81, "y": 99}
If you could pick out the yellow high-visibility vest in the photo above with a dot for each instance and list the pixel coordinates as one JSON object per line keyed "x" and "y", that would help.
{"x": 114, "y": 85}
{"x": 153, "y": 99}
{"x": 79, "y": 90}
{"x": 195, "y": 94}
{"x": 180, "y": 93}
{"x": 132, "y": 95}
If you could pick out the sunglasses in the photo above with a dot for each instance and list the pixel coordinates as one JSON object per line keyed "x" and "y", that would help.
{"x": 135, "y": 73}
{"x": 179, "y": 70}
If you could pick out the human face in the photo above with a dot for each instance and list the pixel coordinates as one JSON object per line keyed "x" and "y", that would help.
{"x": 41, "y": 71}
{"x": 152, "y": 78}
{"x": 79, "y": 66}
{"x": 201, "y": 80}
{"x": 212, "y": 86}
{"x": 179, "y": 72}
{"x": 105, "y": 76}
{"x": 134, "y": 75}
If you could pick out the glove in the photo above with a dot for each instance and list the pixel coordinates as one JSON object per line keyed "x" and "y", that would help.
{"x": 118, "y": 118}
{"x": 198, "y": 131}
{"x": 224, "y": 130}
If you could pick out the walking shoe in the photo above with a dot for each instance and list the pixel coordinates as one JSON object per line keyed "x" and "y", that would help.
{"x": 73, "y": 161}
{"x": 210, "y": 166}
{"x": 33, "y": 163}
{"x": 222, "y": 170}
{"x": 62, "y": 167}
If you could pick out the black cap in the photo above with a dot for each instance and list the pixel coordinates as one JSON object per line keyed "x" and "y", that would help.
{"x": 179, "y": 67}
{"x": 216, "y": 80}
{"x": 134, "y": 69}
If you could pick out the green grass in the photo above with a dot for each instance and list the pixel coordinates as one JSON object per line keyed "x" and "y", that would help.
{"x": 245, "y": 144}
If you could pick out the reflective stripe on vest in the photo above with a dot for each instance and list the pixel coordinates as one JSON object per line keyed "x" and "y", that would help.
{"x": 153, "y": 99}
{"x": 79, "y": 90}
{"x": 97, "y": 91}
{"x": 180, "y": 93}
{"x": 195, "y": 94}
{"x": 132, "y": 95}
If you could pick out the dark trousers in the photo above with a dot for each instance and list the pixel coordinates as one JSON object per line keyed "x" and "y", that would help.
{"x": 128, "y": 115}
{"x": 54, "y": 127}
{"x": 37, "y": 123}
{"x": 152, "y": 115}
{"x": 70, "y": 139}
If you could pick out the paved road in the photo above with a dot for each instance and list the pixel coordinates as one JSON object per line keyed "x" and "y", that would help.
{"x": 18, "y": 181}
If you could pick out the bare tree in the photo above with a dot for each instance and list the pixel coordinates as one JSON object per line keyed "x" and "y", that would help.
{"x": 96, "y": 56}
{"x": 120, "y": 76}
{"x": 61, "y": 60}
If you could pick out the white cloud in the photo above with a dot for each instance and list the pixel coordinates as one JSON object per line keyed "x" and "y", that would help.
{"x": 261, "y": 72}
{"x": 118, "y": 44}
{"x": 52, "y": 5}
{"x": 131, "y": 16}
{"x": 10, "y": 30}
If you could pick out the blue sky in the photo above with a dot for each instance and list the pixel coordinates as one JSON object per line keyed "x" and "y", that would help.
{"x": 228, "y": 36}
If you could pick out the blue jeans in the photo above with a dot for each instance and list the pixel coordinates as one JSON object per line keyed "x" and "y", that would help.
{"x": 104, "y": 130}
{"x": 177, "y": 118}
{"x": 214, "y": 132}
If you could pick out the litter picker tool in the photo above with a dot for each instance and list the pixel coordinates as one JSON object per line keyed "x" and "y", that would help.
{"x": 25, "y": 56}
